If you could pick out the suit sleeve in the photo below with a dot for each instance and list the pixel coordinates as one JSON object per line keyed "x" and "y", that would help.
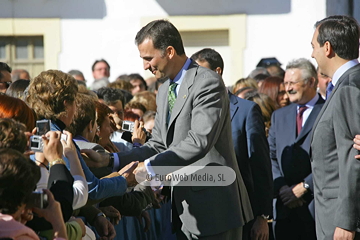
{"x": 346, "y": 123}
{"x": 258, "y": 150}
{"x": 279, "y": 180}
{"x": 309, "y": 180}
{"x": 210, "y": 106}
{"x": 60, "y": 183}
{"x": 102, "y": 188}
{"x": 154, "y": 146}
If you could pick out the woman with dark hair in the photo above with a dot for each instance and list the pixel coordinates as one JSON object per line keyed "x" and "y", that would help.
{"x": 105, "y": 127}
{"x": 17, "y": 88}
{"x": 18, "y": 178}
{"x": 12, "y": 135}
{"x": 275, "y": 89}
{"x": 17, "y": 109}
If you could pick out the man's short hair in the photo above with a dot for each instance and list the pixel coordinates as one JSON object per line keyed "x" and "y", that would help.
{"x": 163, "y": 34}
{"x": 211, "y": 56}
{"x": 343, "y": 34}
{"x": 4, "y": 67}
{"x": 76, "y": 72}
{"x": 308, "y": 70}
{"x": 110, "y": 95}
{"x": 135, "y": 76}
{"x": 97, "y": 61}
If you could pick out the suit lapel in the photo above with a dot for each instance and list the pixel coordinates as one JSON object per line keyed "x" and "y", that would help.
{"x": 233, "y": 105}
{"x": 311, "y": 119}
{"x": 290, "y": 123}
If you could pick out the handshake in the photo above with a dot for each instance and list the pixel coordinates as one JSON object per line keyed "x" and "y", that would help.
{"x": 133, "y": 172}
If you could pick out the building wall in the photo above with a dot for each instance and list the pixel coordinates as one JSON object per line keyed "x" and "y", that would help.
{"x": 284, "y": 36}
{"x": 94, "y": 29}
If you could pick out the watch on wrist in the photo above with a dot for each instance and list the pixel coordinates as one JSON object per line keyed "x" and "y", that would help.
{"x": 101, "y": 214}
{"x": 111, "y": 160}
{"x": 306, "y": 186}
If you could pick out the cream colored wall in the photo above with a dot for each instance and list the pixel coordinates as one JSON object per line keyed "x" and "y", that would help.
{"x": 46, "y": 27}
{"x": 235, "y": 24}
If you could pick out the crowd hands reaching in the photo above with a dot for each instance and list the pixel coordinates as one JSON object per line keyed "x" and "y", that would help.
{"x": 92, "y": 122}
{"x": 67, "y": 142}
{"x": 82, "y": 169}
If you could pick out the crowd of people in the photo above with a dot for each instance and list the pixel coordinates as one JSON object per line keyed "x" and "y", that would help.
{"x": 72, "y": 155}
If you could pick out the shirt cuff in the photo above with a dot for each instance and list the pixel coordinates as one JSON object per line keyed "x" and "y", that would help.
{"x": 149, "y": 168}
{"x": 116, "y": 162}
{"x": 155, "y": 185}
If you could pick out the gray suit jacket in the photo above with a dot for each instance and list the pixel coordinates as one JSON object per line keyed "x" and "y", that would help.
{"x": 336, "y": 172}
{"x": 199, "y": 133}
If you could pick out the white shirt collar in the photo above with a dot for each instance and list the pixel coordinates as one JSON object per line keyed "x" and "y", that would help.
{"x": 341, "y": 70}
{"x": 312, "y": 102}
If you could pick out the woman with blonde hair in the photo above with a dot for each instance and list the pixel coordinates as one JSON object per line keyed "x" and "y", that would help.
{"x": 267, "y": 106}
{"x": 244, "y": 82}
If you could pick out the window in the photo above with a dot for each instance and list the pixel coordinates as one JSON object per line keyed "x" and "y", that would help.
{"x": 23, "y": 52}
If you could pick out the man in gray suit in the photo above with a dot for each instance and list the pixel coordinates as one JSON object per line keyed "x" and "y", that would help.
{"x": 336, "y": 173}
{"x": 192, "y": 126}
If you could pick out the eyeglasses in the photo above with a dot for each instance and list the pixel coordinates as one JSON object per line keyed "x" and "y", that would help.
{"x": 290, "y": 84}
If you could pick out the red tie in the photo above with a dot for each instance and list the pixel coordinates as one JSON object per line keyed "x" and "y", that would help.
{"x": 299, "y": 118}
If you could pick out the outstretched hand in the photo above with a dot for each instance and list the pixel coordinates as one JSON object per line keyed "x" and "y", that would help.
{"x": 357, "y": 146}
{"x": 128, "y": 173}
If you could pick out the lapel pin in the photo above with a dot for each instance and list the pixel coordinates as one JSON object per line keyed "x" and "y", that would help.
{"x": 184, "y": 96}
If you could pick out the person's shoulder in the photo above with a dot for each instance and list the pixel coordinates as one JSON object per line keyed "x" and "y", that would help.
{"x": 285, "y": 110}
{"x": 240, "y": 102}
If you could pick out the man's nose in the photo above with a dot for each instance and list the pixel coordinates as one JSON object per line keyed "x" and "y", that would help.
{"x": 146, "y": 65}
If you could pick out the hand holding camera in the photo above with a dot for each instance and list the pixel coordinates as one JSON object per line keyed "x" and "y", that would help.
{"x": 42, "y": 128}
{"x": 139, "y": 133}
{"x": 69, "y": 148}
{"x": 52, "y": 147}
{"x": 52, "y": 213}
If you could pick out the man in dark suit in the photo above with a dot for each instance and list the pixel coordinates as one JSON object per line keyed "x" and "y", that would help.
{"x": 289, "y": 140}
{"x": 192, "y": 127}
{"x": 335, "y": 170}
{"x": 251, "y": 149}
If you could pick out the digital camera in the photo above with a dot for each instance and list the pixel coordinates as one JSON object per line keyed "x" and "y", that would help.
{"x": 42, "y": 127}
{"x": 38, "y": 199}
{"x": 128, "y": 126}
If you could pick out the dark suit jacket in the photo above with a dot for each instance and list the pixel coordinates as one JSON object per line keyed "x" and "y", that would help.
{"x": 60, "y": 183}
{"x": 252, "y": 153}
{"x": 336, "y": 172}
{"x": 198, "y": 133}
{"x": 290, "y": 153}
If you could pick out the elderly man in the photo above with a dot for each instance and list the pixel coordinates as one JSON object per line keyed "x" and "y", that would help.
{"x": 336, "y": 172}
{"x": 289, "y": 140}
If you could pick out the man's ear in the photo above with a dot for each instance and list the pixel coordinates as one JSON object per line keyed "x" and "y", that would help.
{"x": 66, "y": 103}
{"x": 90, "y": 126}
{"x": 312, "y": 82}
{"x": 218, "y": 70}
{"x": 329, "y": 52}
{"x": 170, "y": 51}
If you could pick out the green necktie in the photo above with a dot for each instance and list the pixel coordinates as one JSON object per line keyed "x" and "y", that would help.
{"x": 171, "y": 96}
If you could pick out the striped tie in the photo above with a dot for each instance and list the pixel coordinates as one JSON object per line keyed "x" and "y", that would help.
{"x": 171, "y": 96}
